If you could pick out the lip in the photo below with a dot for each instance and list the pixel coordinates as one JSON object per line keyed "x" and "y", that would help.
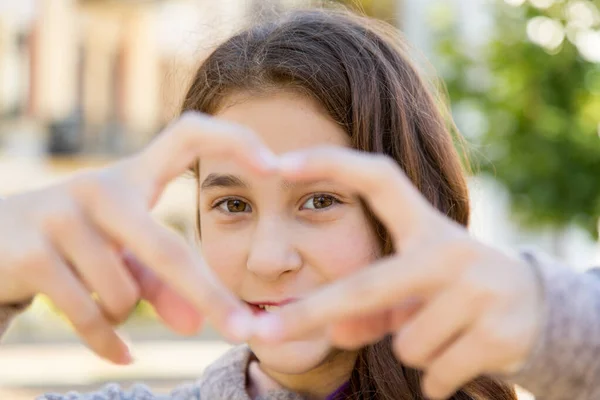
{"x": 279, "y": 303}
{"x": 255, "y": 305}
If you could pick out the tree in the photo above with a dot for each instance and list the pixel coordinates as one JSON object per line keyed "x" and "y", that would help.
{"x": 536, "y": 84}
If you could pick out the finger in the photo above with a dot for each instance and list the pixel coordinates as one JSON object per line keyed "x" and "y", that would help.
{"x": 195, "y": 135}
{"x": 97, "y": 263}
{"x": 459, "y": 364}
{"x": 377, "y": 179}
{"x": 178, "y": 313}
{"x": 172, "y": 259}
{"x": 384, "y": 284}
{"x": 58, "y": 283}
{"x": 361, "y": 331}
{"x": 438, "y": 322}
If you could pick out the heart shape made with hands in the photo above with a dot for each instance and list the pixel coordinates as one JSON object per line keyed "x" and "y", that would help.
{"x": 376, "y": 178}
{"x": 94, "y": 216}
{"x": 435, "y": 259}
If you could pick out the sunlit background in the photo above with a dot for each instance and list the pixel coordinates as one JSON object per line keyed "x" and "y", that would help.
{"x": 85, "y": 82}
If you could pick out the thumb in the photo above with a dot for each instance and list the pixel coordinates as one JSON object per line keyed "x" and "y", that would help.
{"x": 173, "y": 309}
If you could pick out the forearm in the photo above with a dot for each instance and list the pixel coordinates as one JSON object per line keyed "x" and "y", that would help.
{"x": 566, "y": 361}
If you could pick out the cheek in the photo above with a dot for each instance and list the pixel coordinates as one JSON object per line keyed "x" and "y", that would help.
{"x": 225, "y": 254}
{"x": 342, "y": 248}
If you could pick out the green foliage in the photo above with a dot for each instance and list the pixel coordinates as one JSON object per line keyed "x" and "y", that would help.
{"x": 382, "y": 9}
{"x": 541, "y": 107}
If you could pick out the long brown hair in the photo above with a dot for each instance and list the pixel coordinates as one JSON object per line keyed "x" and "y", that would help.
{"x": 359, "y": 70}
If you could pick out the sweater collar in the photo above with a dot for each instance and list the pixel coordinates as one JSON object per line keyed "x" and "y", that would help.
{"x": 226, "y": 379}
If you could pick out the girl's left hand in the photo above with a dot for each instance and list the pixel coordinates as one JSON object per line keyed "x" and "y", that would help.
{"x": 457, "y": 308}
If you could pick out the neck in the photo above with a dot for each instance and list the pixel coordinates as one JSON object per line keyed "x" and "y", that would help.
{"x": 319, "y": 382}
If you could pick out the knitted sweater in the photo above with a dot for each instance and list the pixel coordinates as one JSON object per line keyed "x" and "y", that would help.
{"x": 565, "y": 365}
{"x": 224, "y": 379}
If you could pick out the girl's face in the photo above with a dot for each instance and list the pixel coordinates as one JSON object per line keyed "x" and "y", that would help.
{"x": 271, "y": 241}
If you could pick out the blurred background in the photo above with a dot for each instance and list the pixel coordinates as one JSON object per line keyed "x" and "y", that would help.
{"x": 85, "y": 82}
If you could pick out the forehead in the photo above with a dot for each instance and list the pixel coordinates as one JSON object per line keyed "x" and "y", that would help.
{"x": 285, "y": 121}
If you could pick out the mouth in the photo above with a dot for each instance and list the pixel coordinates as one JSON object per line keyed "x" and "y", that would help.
{"x": 267, "y": 306}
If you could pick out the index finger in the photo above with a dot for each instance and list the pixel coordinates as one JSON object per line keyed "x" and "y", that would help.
{"x": 376, "y": 178}
{"x": 195, "y": 135}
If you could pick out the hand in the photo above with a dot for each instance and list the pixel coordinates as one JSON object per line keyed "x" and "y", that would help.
{"x": 457, "y": 308}
{"x": 94, "y": 234}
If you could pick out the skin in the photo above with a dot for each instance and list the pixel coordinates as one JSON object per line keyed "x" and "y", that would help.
{"x": 283, "y": 240}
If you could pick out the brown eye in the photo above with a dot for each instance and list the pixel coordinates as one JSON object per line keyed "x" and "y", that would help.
{"x": 234, "y": 206}
{"x": 319, "y": 202}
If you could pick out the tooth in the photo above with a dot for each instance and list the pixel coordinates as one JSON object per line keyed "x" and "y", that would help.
{"x": 271, "y": 308}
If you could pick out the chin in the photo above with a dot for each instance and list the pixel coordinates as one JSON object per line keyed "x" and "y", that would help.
{"x": 296, "y": 357}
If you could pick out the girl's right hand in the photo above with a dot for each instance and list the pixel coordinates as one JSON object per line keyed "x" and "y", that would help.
{"x": 94, "y": 234}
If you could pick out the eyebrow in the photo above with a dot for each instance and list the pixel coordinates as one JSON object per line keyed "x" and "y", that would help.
{"x": 214, "y": 180}
{"x": 223, "y": 181}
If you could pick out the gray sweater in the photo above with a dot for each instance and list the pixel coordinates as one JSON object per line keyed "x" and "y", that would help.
{"x": 564, "y": 365}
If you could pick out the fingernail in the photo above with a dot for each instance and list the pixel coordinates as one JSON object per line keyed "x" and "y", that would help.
{"x": 126, "y": 357}
{"x": 240, "y": 326}
{"x": 269, "y": 160}
{"x": 291, "y": 163}
{"x": 269, "y": 327}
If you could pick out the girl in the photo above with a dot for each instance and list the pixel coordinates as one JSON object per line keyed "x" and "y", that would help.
{"x": 313, "y": 79}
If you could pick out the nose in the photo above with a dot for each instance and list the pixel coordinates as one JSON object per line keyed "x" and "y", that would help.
{"x": 272, "y": 253}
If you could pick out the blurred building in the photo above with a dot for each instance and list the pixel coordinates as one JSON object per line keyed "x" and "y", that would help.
{"x": 104, "y": 75}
